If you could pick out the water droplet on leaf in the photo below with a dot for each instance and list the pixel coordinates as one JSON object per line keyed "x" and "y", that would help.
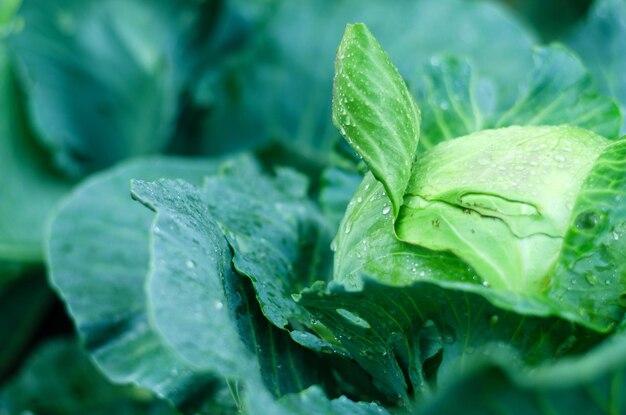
{"x": 353, "y": 318}
{"x": 587, "y": 220}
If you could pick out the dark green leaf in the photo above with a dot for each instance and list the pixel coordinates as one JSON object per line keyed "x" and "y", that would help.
{"x": 23, "y": 305}
{"x": 310, "y": 402}
{"x": 190, "y": 261}
{"x": 279, "y": 239}
{"x": 408, "y": 337}
{"x": 455, "y": 103}
{"x": 590, "y": 276}
{"x": 591, "y": 384}
{"x": 99, "y": 261}
{"x": 29, "y": 187}
{"x": 194, "y": 294}
{"x": 285, "y": 366}
{"x": 560, "y": 91}
{"x": 60, "y": 379}
{"x": 550, "y": 19}
{"x": 104, "y": 77}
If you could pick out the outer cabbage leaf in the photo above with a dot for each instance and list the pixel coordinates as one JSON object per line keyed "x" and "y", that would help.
{"x": 192, "y": 291}
{"x": 279, "y": 239}
{"x": 590, "y": 384}
{"x": 311, "y": 401}
{"x": 410, "y": 338}
{"x": 553, "y": 19}
{"x": 104, "y": 78}
{"x": 101, "y": 279}
{"x": 29, "y": 186}
{"x": 59, "y": 378}
{"x": 453, "y": 101}
{"x": 174, "y": 360}
{"x": 192, "y": 300}
{"x": 190, "y": 261}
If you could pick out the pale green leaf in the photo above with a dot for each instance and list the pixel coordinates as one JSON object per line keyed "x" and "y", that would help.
{"x": 374, "y": 110}
{"x": 366, "y": 244}
{"x": 500, "y": 199}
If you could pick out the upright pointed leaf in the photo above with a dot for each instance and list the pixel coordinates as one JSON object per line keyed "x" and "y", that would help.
{"x": 374, "y": 110}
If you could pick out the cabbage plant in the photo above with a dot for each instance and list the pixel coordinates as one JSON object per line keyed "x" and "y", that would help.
{"x": 483, "y": 247}
{"x": 533, "y": 211}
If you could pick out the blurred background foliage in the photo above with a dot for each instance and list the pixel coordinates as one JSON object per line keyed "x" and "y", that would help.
{"x": 551, "y": 20}
{"x": 86, "y": 84}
